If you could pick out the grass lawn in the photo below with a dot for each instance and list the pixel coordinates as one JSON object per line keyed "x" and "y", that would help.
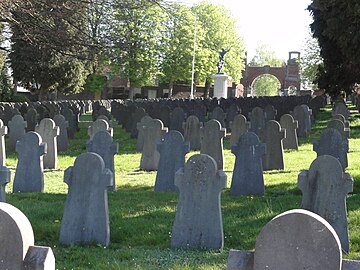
{"x": 141, "y": 220}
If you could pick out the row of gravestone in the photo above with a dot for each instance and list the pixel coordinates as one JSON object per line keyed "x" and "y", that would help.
{"x": 173, "y": 112}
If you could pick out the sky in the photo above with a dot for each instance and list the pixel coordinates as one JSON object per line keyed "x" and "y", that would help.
{"x": 281, "y": 24}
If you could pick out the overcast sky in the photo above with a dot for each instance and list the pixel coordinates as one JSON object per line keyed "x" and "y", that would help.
{"x": 282, "y": 24}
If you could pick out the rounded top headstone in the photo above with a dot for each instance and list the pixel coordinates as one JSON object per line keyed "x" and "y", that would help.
{"x": 298, "y": 239}
{"x": 16, "y": 235}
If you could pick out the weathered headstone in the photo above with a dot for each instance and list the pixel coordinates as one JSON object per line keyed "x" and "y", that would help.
{"x": 339, "y": 126}
{"x": 86, "y": 214}
{"x": 290, "y": 126}
{"x": 104, "y": 117}
{"x": 303, "y": 119}
{"x": 140, "y": 127}
{"x": 192, "y": 132}
{"x": 4, "y": 179}
{"x": 99, "y": 125}
{"x": 3, "y": 132}
{"x": 324, "y": 187}
{"x": 239, "y": 126}
{"x": 218, "y": 114}
{"x": 62, "y": 139}
{"x": 172, "y": 149}
{"x": 29, "y": 174}
{"x": 342, "y": 119}
{"x": 212, "y": 141}
{"x": 153, "y": 132}
{"x": 198, "y": 220}
{"x": 257, "y": 120}
{"x": 270, "y": 112}
{"x": 331, "y": 143}
{"x": 102, "y": 144}
{"x": 49, "y": 132}
{"x": 341, "y": 108}
{"x": 272, "y": 135}
{"x": 247, "y": 178}
{"x": 17, "y": 127}
{"x": 17, "y": 243}
{"x": 71, "y": 119}
{"x": 177, "y": 118}
{"x": 31, "y": 118}
{"x": 135, "y": 118}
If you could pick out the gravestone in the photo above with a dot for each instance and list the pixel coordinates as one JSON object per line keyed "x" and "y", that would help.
{"x": 218, "y": 114}
{"x": 17, "y": 243}
{"x": 192, "y": 128}
{"x": 62, "y": 139}
{"x": 272, "y": 135}
{"x": 140, "y": 127}
{"x": 239, "y": 126}
{"x": 136, "y": 117}
{"x": 29, "y": 174}
{"x": 257, "y": 120}
{"x": 103, "y": 145}
{"x": 324, "y": 187}
{"x": 342, "y": 119}
{"x": 290, "y": 126}
{"x": 177, "y": 118}
{"x": 99, "y": 125}
{"x": 4, "y": 179}
{"x": 212, "y": 141}
{"x": 292, "y": 240}
{"x": 3, "y": 132}
{"x": 231, "y": 113}
{"x": 71, "y": 119}
{"x": 153, "y": 132}
{"x": 247, "y": 178}
{"x": 17, "y": 127}
{"x": 303, "y": 119}
{"x": 198, "y": 220}
{"x": 49, "y": 132}
{"x": 270, "y": 112}
{"x": 331, "y": 143}
{"x": 86, "y": 214}
{"x": 339, "y": 126}
{"x": 104, "y": 117}
{"x": 172, "y": 149}
{"x": 340, "y": 108}
{"x": 31, "y": 118}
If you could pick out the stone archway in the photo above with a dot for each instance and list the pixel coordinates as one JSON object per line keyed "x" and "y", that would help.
{"x": 288, "y": 76}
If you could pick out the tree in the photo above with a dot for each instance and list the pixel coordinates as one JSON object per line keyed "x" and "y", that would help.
{"x": 266, "y": 85}
{"x": 335, "y": 26}
{"x": 220, "y": 31}
{"x": 310, "y": 62}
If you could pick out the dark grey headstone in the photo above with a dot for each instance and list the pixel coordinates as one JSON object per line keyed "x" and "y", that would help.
{"x": 17, "y": 241}
{"x": 172, "y": 149}
{"x": 239, "y": 126}
{"x": 331, "y": 143}
{"x": 31, "y": 118}
{"x": 99, "y": 125}
{"x": 272, "y": 135}
{"x": 49, "y": 132}
{"x": 86, "y": 214}
{"x": 270, "y": 112}
{"x": 324, "y": 187}
{"x": 29, "y": 174}
{"x": 103, "y": 144}
{"x": 212, "y": 141}
{"x": 198, "y": 221}
{"x": 341, "y": 108}
{"x": 62, "y": 139}
{"x": 177, "y": 118}
{"x": 303, "y": 116}
{"x": 153, "y": 132}
{"x": 192, "y": 132}
{"x": 257, "y": 120}
{"x": 290, "y": 126}
{"x": 140, "y": 136}
{"x": 218, "y": 114}
{"x": 248, "y": 176}
{"x": 17, "y": 127}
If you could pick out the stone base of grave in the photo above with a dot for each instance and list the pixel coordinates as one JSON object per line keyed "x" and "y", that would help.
{"x": 244, "y": 260}
{"x": 220, "y": 85}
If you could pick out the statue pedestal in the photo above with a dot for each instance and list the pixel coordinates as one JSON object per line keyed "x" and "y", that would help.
{"x": 220, "y": 85}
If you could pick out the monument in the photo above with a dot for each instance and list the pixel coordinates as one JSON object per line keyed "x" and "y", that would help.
{"x": 220, "y": 78}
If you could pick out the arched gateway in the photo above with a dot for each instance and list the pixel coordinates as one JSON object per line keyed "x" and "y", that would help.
{"x": 288, "y": 75}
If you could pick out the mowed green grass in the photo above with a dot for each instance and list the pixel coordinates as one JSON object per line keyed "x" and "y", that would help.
{"x": 141, "y": 220}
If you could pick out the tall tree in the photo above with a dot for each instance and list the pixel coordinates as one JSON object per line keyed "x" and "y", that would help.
{"x": 220, "y": 32}
{"x": 266, "y": 85}
{"x": 336, "y": 27}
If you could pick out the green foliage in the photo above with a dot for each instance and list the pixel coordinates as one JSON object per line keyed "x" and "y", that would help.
{"x": 335, "y": 26}
{"x": 266, "y": 85}
{"x": 95, "y": 83}
{"x": 220, "y": 31}
{"x": 265, "y": 56}
{"x": 310, "y": 62}
{"x": 6, "y": 91}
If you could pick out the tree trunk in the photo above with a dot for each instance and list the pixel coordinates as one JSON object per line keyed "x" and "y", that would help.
{"x": 171, "y": 87}
{"x": 42, "y": 94}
